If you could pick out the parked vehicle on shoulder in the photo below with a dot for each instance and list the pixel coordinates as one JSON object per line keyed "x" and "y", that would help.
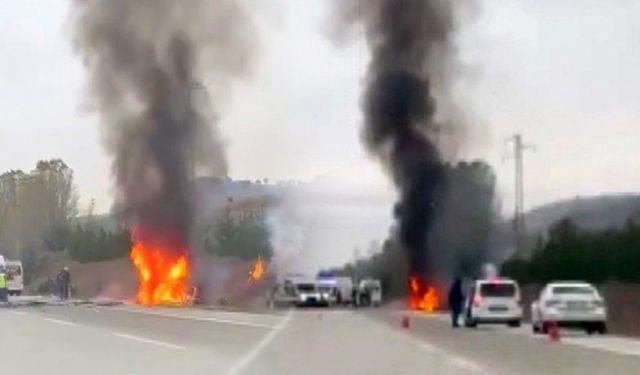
{"x": 15, "y": 283}
{"x": 495, "y": 301}
{"x": 369, "y": 293}
{"x": 571, "y": 305}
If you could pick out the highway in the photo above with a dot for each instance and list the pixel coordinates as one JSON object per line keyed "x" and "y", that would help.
{"x": 134, "y": 340}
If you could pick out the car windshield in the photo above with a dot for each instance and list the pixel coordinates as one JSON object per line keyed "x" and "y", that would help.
{"x": 498, "y": 290}
{"x": 306, "y": 288}
{"x": 573, "y": 289}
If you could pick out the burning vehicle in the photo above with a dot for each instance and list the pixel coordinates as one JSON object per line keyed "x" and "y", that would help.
{"x": 149, "y": 76}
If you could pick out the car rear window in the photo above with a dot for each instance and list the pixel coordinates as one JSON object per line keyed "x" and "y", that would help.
{"x": 573, "y": 290}
{"x": 14, "y": 270}
{"x": 498, "y": 290}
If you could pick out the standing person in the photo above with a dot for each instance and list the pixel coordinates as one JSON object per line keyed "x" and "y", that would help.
{"x": 66, "y": 283}
{"x": 3, "y": 285}
{"x": 456, "y": 300}
{"x": 60, "y": 285}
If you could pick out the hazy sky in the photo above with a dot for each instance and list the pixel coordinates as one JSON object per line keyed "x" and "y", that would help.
{"x": 564, "y": 73}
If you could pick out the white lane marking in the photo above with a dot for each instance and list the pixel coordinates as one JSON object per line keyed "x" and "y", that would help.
{"x": 466, "y": 364}
{"x": 198, "y": 318}
{"x": 456, "y": 360}
{"x": 22, "y": 313}
{"x": 150, "y": 341}
{"x": 608, "y": 343}
{"x": 61, "y": 322}
{"x": 245, "y": 361}
{"x": 428, "y": 347}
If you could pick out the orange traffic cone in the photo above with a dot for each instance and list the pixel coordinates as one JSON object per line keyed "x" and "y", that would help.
{"x": 553, "y": 331}
{"x": 405, "y": 322}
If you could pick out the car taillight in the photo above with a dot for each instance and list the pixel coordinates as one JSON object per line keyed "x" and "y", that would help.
{"x": 552, "y": 303}
{"x": 477, "y": 300}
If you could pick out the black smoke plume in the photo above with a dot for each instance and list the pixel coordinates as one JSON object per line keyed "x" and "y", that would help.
{"x": 410, "y": 46}
{"x": 149, "y": 64}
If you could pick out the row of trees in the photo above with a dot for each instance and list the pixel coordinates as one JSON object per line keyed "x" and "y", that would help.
{"x": 36, "y": 208}
{"x": 95, "y": 244}
{"x": 244, "y": 238}
{"x": 572, "y": 253}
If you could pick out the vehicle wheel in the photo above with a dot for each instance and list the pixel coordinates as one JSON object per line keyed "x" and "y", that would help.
{"x": 514, "y": 324}
{"x": 545, "y": 327}
{"x": 590, "y": 329}
{"x": 602, "y": 328}
{"x": 470, "y": 323}
{"x": 535, "y": 328}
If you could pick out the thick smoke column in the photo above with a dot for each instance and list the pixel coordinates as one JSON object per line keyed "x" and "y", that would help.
{"x": 410, "y": 49}
{"x": 149, "y": 62}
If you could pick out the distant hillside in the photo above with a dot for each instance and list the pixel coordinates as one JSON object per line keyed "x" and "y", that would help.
{"x": 592, "y": 213}
{"x": 597, "y": 212}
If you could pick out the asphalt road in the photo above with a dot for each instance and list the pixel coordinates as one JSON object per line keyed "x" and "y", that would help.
{"x": 132, "y": 340}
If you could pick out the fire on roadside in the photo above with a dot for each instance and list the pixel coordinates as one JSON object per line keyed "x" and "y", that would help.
{"x": 422, "y": 297}
{"x": 162, "y": 267}
{"x": 257, "y": 270}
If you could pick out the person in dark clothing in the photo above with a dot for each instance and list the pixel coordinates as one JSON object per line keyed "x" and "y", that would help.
{"x": 64, "y": 281}
{"x": 456, "y": 301}
{"x": 58, "y": 285}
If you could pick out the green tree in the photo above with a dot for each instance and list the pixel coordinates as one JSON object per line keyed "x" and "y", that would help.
{"x": 572, "y": 253}
{"x": 243, "y": 239}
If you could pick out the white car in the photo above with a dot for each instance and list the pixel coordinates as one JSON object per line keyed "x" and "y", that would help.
{"x": 569, "y": 304}
{"x": 308, "y": 294}
{"x": 493, "y": 301}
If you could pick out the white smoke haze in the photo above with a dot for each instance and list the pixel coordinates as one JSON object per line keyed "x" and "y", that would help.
{"x": 321, "y": 225}
{"x": 288, "y": 232}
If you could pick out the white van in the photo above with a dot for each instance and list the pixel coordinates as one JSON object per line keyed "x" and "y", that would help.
{"x": 14, "y": 274}
{"x": 369, "y": 293}
{"x": 493, "y": 301}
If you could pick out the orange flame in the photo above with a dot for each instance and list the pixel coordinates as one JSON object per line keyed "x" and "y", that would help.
{"x": 162, "y": 266}
{"x": 257, "y": 270}
{"x": 422, "y": 297}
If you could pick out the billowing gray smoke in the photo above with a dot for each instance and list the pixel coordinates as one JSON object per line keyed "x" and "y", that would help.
{"x": 410, "y": 45}
{"x": 149, "y": 62}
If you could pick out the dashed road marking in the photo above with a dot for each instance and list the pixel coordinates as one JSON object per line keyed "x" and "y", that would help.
{"x": 61, "y": 322}
{"x": 466, "y": 364}
{"x": 611, "y": 344}
{"x": 199, "y": 318}
{"x": 150, "y": 341}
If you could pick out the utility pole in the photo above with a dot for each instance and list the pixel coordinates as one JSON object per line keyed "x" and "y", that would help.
{"x": 519, "y": 228}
